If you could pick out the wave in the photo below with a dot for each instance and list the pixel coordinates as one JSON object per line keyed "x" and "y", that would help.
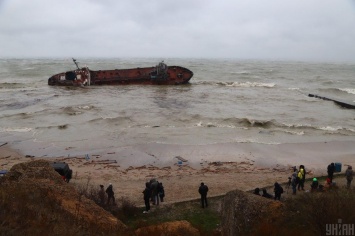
{"x": 240, "y": 73}
{"x": 348, "y": 90}
{"x": 65, "y": 126}
{"x": 210, "y": 124}
{"x": 256, "y": 123}
{"x": 272, "y": 125}
{"x": 238, "y": 84}
{"x": 247, "y": 84}
{"x": 119, "y": 119}
{"x": 339, "y": 90}
{"x": 7, "y": 85}
{"x": 255, "y": 141}
{"x": 77, "y": 110}
{"x": 15, "y": 129}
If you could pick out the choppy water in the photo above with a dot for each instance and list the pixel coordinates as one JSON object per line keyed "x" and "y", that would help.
{"x": 226, "y": 101}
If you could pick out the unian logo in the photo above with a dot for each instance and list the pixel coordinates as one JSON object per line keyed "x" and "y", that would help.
{"x": 340, "y": 229}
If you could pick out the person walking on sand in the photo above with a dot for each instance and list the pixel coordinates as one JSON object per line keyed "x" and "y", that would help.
{"x": 278, "y": 190}
{"x": 146, "y": 196}
{"x": 331, "y": 170}
{"x": 203, "y": 189}
{"x": 161, "y": 191}
{"x": 110, "y": 194}
{"x": 102, "y": 195}
{"x": 349, "y": 176}
{"x": 294, "y": 180}
{"x": 301, "y": 177}
{"x": 154, "y": 184}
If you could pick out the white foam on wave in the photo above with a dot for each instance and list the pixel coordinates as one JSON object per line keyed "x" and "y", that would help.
{"x": 348, "y": 90}
{"x": 330, "y": 128}
{"x": 15, "y": 129}
{"x": 300, "y": 133}
{"x": 85, "y": 107}
{"x": 294, "y": 89}
{"x": 256, "y": 141}
{"x": 209, "y": 125}
{"x": 249, "y": 84}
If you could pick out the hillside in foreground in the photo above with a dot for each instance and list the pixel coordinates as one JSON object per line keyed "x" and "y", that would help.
{"x": 34, "y": 200}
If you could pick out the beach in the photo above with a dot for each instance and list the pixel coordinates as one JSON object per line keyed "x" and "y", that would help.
{"x": 181, "y": 168}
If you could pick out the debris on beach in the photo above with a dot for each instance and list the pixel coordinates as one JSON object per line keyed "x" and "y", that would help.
{"x": 181, "y": 159}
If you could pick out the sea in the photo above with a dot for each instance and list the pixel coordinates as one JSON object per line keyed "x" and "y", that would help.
{"x": 226, "y": 101}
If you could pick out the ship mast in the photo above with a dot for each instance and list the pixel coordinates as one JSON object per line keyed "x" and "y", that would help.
{"x": 76, "y": 63}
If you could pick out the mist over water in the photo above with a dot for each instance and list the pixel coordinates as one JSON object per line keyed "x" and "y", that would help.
{"x": 226, "y": 101}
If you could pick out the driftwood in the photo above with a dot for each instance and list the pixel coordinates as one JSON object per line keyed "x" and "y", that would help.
{"x": 101, "y": 162}
{"x": 181, "y": 159}
{"x": 3, "y": 144}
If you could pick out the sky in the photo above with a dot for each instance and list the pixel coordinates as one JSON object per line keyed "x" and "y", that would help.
{"x": 302, "y": 30}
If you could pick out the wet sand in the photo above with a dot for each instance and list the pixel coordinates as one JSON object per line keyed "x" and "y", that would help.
{"x": 181, "y": 168}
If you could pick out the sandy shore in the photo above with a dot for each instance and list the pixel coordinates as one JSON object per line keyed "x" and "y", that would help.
{"x": 181, "y": 168}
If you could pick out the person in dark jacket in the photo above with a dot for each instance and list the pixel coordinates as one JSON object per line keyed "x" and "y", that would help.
{"x": 331, "y": 170}
{"x": 266, "y": 194}
{"x": 278, "y": 191}
{"x": 154, "y": 184}
{"x": 203, "y": 189}
{"x": 294, "y": 181}
{"x": 102, "y": 195}
{"x": 110, "y": 194}
{"x": 349, "y": 176}
{"x": 161, "y": 191}
{"x": 146, "y": 196}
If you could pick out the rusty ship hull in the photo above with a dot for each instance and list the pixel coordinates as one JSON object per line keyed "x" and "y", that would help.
{"x": 155, "y": 75}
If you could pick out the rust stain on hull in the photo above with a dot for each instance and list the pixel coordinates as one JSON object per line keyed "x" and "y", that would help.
{"x": 156, "y": 75}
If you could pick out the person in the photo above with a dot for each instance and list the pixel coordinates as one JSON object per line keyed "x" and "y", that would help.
{"x": 154, "y": 191}
{"x": 301, "y": 177}
{"x": 146, "y": 196}
{"x": 327, "y": 184}
{"x": 257, "y": 191}
{"x": 110, "y": 194}
{"x": 266, "y": 194}
{"x": 102, "y": 195}
{"x": 294, "y": 182}
{"x": 349, "y": 176}
{"x": 331, "y": 170}
{"x": 161, "y": 191}
{"x": 314, "y": 185}
{"x": 278, "y": 190}
{"x": 203, "y": 189}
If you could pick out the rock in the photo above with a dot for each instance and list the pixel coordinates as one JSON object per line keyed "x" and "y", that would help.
{"x": 243, "y": 212}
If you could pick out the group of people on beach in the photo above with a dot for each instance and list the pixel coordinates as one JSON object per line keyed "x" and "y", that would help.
{"x": 153, "y": 192}
{"x": 298, "y": 178}
{"x": 110, "y": 195}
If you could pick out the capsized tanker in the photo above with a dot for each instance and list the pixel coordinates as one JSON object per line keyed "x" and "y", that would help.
{"x": 155, "y": 75}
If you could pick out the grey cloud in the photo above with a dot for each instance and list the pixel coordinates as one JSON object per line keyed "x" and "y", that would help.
{"x": 276, "y": 29}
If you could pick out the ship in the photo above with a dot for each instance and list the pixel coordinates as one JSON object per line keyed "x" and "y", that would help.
{"x": 160, "y": 74}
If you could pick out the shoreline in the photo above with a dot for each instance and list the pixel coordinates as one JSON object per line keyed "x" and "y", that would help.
{"x": 223, "y": 167}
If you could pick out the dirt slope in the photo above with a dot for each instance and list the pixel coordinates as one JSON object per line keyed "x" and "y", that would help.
{"x": 36, "y": 201}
